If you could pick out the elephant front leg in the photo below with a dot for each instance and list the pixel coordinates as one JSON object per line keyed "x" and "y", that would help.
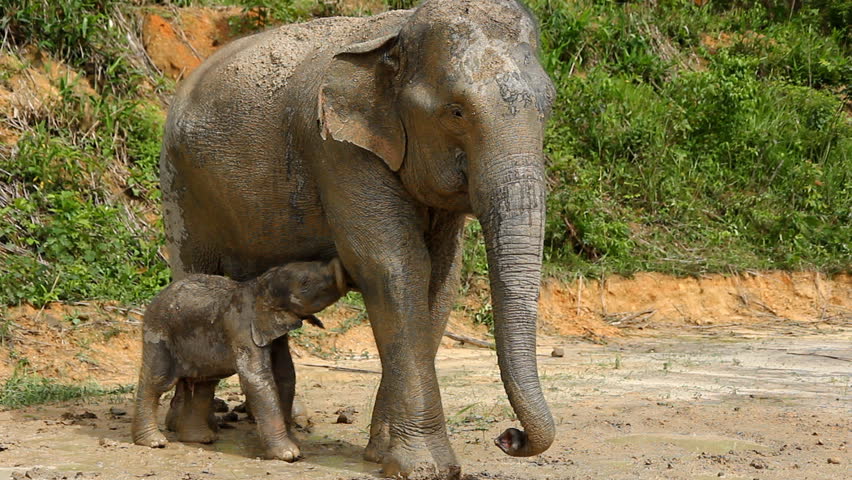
{"x": 155, "y": 378}
{"x": 285, "y": 377}
{"x": 444, "y": 242}
{"x": 254, "y": 366}
{"x": 410, "y": 414}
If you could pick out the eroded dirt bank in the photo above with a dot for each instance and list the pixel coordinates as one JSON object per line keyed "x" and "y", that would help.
{"x": 98, "y": 341}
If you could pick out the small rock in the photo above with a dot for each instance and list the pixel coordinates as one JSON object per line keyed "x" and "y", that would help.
{"x": 219, "y": 405}
{"x": 758, "y": 464}
{"x": 106, "y": 442}
{"x": 70, "y": 415}
{"x": 117, "y": 411}
{"x": 231, "y": 416}
{"x": 720, "y": 474}
{"x": 820, "y": 442}
{"x": 558, "y": 352}
{"x": 221, "y": 423}
{"x": 834, "y": 460}
{"x": 345, "y": 415}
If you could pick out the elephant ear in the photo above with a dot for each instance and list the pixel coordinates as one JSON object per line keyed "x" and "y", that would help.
{"x": 268, "y": 326}
{"x": 356, "y": 101}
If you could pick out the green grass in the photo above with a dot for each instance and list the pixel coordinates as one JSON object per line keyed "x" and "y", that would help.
{"x": 75, "y": 237}
{"x": 665, "y": 156}
{"x": 81, "y": 180}
{"x": 24, "y": 390}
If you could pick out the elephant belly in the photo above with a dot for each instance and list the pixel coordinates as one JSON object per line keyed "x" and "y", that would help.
{"x": 203, "y": 354}
{"x": 248, "y": 210}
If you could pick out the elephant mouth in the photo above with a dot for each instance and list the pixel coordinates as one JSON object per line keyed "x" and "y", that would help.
{"x": 461, "y": 169}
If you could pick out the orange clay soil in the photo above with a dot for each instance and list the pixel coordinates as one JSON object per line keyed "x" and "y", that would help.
{"x": 99, "y": 341}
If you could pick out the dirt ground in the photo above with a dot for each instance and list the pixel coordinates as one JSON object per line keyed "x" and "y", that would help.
{"x": 699, "y": 404}
{"x": 734, "y": 377}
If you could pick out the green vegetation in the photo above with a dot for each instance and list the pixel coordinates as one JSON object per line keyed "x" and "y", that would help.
{"x": 83, "y": 174}
{"x": 685, "y": 139}
{"x": 690, "y": 139}
{"x": 23, "y": 390}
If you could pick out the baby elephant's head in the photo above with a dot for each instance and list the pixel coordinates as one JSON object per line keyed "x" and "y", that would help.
{"x": 303, "y": 288}
{"x": 288, "y": 294}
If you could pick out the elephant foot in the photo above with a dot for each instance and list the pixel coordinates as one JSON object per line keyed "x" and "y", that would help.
{"x": 201, "y": 434}
{"x": 286, "y": 450}
{"x": 212, "y": 422}
{"x": 377, "y": 446}
{"x": 172, "y": 417}
{"x": 153, "y": 439}
{"x": 424, "y": 463}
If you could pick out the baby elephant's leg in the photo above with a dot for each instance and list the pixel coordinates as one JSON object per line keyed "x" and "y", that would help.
{"x": 193, "y": 424}
{"x": 177, "y": 405}
{"x": 155, "y": 377}
{"x": 285, "y": 377}
{"x": 258, "y": 383}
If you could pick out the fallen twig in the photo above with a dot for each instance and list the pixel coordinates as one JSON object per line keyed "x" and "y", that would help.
{"x": 339, "y": 369}
{"x": 469, "y": 340}
{"x": 650, "y": 312}
{"x": 833, "y": 357}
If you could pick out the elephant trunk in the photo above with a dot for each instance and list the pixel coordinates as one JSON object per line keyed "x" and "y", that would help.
{"x": 508, "y": 197}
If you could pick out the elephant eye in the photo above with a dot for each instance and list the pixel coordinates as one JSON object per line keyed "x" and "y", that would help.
{"x": 453, "y": 118}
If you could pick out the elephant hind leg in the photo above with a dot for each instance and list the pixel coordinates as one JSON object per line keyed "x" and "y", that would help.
{"x": 194, "y": 424}
{"x": 155, "y": 378}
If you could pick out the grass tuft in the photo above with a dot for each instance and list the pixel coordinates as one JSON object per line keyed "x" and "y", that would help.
{"x": 23, "y": 390}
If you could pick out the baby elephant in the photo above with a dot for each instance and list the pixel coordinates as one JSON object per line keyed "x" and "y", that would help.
{"x": 206, "y": 327}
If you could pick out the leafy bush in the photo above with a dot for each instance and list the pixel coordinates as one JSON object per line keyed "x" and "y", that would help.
{"x": 79, "y": 32}
{"x": 689, "y": 139}
{"x": 69, "y": 224}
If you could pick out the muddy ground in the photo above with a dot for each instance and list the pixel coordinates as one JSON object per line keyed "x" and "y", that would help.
{"x": 695, "y": 403}
{"x": 745, "y": 376}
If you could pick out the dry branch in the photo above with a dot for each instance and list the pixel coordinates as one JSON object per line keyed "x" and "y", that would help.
{"x": 810, "y": 354}
{"x": 340, "y": 369}
{"x": 629, "y": 316}
{"x": 469, "y": 340}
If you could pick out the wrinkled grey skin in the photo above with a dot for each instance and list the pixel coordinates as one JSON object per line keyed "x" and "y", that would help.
{"x": 371, "y": 139}
{"x": 207, "y": 327}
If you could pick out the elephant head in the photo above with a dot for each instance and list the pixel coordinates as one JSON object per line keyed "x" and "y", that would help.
{"x": 286, "y": 295}
{"x": 455, "y": 102}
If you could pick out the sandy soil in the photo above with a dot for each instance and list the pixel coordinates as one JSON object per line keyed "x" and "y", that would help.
{"x": 729, "y": 402}
{"x": 742, "y": 376}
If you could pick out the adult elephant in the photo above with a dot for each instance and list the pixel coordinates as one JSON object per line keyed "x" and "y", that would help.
{"x": 371, "y": 139}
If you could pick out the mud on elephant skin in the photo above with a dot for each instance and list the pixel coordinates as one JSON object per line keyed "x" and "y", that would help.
{"x": 372, "y": 139}
{"x": 206, "y": 327}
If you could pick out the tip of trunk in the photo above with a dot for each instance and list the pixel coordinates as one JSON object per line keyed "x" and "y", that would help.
{"x": 516, "y": 443}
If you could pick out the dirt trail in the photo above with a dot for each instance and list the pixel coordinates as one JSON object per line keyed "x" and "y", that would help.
{"x": 747, "y": 377}
{"x": 741, "y": 404}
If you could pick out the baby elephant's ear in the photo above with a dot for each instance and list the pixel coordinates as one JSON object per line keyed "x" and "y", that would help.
{"x": 266, "y": 327}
